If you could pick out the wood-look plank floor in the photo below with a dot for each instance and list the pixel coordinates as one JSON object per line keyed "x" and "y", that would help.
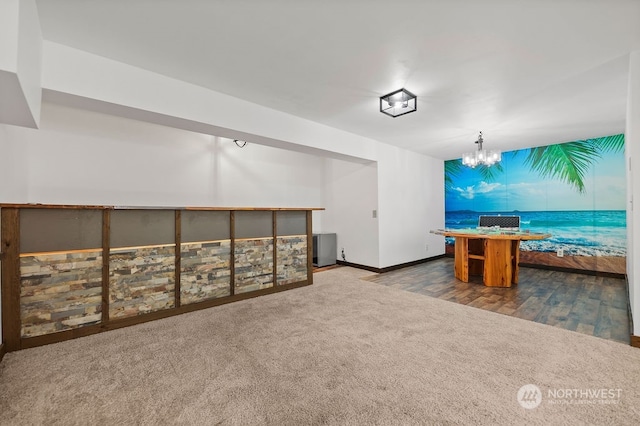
{"x": 584, "y": 303}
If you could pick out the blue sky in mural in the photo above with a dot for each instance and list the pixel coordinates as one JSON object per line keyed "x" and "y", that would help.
{"x": 519, "y": 188}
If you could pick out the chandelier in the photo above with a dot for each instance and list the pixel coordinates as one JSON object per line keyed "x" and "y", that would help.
{"x": 481, "y": 156}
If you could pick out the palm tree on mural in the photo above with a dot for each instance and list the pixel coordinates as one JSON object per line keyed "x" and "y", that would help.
{"x": 568, "y": 162}
{"x": 453, "y": 168}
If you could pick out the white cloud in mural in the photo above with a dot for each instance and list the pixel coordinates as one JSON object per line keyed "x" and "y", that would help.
{"x": 470, "y": 192}
{"x": 484, "y": 187}
{"x": 467, "y": 192}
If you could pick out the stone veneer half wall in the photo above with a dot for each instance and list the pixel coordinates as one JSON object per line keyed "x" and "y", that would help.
{"x": 80, "y": 270}
{"x": 291, "y": 259}
{"x": 205, "y": 271}
{"x": 60, "y": 291}
{"x": 253, "y": 264}
{"x": 141, "y": 280}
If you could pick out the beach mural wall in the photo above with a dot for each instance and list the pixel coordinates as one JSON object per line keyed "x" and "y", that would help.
{"x": 575, "y": 191}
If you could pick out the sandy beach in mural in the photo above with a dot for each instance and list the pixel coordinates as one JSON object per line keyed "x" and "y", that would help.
{"x": 609, "y": 264}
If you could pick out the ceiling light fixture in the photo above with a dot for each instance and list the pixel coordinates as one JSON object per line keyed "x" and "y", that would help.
{"x": 481, "y": 156}
{"x": 398, "y": 103}
{"x": 240, "y": 144}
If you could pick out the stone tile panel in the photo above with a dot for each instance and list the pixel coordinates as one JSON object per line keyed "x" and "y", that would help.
{"x": 141, "y": 280}
{"x": 205, "y": 271}
{"x": 291, "y": 259}
{"x": 60, "y": 291}
{"x": 253, "y": 264}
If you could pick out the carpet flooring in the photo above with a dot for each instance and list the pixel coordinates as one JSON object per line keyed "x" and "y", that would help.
{"x": 342, "y": 351}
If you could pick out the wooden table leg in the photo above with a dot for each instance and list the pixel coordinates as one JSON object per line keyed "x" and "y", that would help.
{"x": 498, "y": 269}
{"x": 461, "y": 261}
{"x": 515, "y": 255}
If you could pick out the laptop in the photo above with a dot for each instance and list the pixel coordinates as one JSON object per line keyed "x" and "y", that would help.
{"x": 511, "y": 222}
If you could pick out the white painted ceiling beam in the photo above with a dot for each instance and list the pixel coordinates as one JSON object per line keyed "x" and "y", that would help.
{"x": 75, "y": 78}
{"x": 20, "y": 63}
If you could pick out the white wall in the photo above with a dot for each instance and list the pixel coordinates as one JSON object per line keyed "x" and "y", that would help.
{"x": 13, "y": 166}
{"x": 262, "y": 176}
{"x": 407, "y": 192}
{"x": 632, "y": 142}
{"x": 350, "y": 196}
{"x": 84, "y": 157}
{"x": 411, "y": 203}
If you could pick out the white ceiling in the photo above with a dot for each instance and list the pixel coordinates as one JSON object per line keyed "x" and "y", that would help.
{"x": 526, "y": 73}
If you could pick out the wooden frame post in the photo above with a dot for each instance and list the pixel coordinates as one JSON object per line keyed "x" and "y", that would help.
{"x": 106, "y": 244}
{"x": 10, "y": 249}
{"x": 232, "y": 254}
{"x": 309, "y": 248}
{"x": 178, "y": 255}
{"x": 274, "y": 236}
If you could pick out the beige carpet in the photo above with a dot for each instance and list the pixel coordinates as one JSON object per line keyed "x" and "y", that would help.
{"x": 343, "y": 351}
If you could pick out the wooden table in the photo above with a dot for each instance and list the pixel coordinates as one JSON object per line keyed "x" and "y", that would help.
{"x": 492, "y": 253}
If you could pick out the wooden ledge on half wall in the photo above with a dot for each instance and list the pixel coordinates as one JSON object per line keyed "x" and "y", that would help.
{"x": 104, "y": 207}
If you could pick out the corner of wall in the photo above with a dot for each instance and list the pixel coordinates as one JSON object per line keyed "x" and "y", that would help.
{"x": 20, "y": 64}
{"x": 632, "y": 138}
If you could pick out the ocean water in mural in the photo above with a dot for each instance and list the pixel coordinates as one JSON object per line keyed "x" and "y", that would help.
{"x": 574, "y": 191}
{"x": 577, "y": 233}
